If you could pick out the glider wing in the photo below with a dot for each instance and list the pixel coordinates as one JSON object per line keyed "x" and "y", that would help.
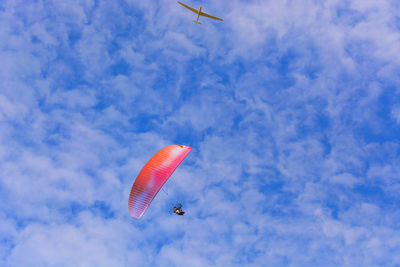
{"x": 188, "y": 7}
{"x": 209, "y": 16}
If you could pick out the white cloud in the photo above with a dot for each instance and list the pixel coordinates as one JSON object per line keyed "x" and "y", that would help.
{"x": 280, "y": 103}
{"x": 345, "y": 179}
{"x": 396, "y": 114}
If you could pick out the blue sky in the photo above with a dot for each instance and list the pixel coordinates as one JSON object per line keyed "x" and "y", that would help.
{"x": 292, "y": 109}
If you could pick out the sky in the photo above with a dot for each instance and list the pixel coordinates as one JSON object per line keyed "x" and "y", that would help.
{"x": 292, "y": 109}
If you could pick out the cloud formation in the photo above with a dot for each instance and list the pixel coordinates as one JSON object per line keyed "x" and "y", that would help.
{"x": 292, "y": 110}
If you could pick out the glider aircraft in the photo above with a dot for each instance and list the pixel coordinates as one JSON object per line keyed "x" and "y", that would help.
{"x": 199, "y": 13}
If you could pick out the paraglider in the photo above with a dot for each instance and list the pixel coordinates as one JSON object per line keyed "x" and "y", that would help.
{"x": 178, "y": 210}
{"x": 153, "y": 176}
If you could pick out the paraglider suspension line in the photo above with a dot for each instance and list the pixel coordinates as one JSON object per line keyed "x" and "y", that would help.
{"x": 164, "y": 191}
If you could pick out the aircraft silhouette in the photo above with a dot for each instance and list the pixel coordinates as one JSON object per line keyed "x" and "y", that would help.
{"x": 199, "y": 13}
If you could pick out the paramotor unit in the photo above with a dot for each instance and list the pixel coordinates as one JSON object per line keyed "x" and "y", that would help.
{"x": 178, "y": 210}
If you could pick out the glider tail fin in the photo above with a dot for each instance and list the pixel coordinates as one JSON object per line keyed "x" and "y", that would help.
{"x": 196, "y": 21}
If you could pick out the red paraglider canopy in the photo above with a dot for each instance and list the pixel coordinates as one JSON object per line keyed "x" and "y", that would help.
{"x": 153, "y": 176}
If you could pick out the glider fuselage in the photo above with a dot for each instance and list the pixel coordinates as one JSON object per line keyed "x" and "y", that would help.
{"x": 198, "y": 16}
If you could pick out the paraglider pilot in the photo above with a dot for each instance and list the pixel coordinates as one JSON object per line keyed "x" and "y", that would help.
{"x": 178, "y": 210}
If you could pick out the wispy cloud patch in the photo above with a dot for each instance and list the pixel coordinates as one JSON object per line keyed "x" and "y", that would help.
{"x": 291, "y": 109}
